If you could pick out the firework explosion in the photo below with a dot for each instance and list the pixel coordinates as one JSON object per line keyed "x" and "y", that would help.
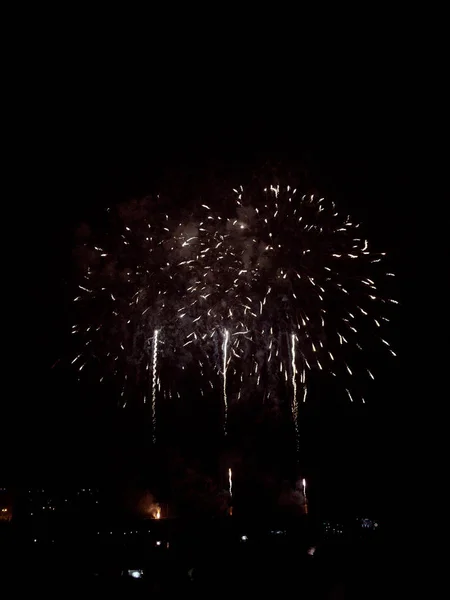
{"x": 253, "y": 296}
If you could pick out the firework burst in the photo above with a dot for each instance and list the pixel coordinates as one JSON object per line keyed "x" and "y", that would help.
{"x": 253, "y": 296}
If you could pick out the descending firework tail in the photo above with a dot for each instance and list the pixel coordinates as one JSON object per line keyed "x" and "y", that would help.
{"x": 154, "y": 366}
{"x": 230, "y": 482}
{"x": 226, "y": 337}
{"x": 253, "y": 296}
{"x": 294, "y": 392}
{"x": 304, "y": 494}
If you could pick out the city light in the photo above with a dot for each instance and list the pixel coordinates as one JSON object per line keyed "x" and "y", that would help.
{"x": 135, "y": 573}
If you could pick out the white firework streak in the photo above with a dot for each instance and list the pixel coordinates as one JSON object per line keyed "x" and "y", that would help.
{"x": 155, "y": 360}
{"x": 294, "y": 397}
{"x": 230, "y": 482}
{"x": 305, "y": 391}
{"x": 225, "y": 360}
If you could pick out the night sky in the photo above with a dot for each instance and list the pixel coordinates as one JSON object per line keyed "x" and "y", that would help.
{"x": 93, "y": 158}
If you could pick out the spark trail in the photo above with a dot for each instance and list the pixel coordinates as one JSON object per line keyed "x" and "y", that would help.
{"x": 294, "y": 392}
{"x": 224, "y": 374}
{"x": 154, "y": 373}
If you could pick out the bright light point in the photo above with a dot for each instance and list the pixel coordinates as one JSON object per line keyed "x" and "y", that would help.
{"x": 136, "y": 574}
{"x": 244, "y": 538}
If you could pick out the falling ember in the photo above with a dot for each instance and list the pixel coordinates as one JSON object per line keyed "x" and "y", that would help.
{"x": 304, "y": 494}
{"x": 155, "y": 359}
{"x": 294, "y": 393}
{"x": 230, "y": 482}
{"x": 224, "y": 374}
